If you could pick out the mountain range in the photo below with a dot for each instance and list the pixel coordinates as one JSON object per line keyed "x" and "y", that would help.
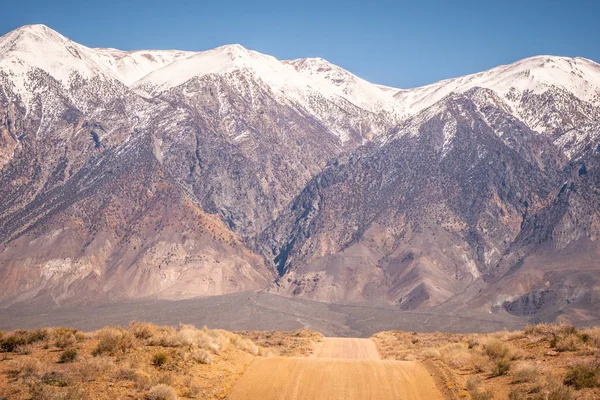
{"x": 174, "y": 174}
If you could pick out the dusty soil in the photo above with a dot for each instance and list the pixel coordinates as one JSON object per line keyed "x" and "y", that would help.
{"x": 342, "y": 369}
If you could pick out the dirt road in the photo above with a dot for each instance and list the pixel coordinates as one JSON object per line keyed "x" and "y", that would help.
{"x": 344, "y": 369}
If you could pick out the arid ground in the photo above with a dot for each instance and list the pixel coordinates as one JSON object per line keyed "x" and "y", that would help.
{"x": 146, "y": 361}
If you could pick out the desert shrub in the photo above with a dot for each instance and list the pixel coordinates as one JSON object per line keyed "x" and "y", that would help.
{"x": 165, "y": 378}
{"x": 553, "y": 390}
{"x": 568, "y": 343}
{"x": 125, "y": 374}
{"x": 142, "y": 380}
{"x": 165, "y": 337}
{"x": 89, "y": 369}
{"x": 202, "y": 356}
{"x": 40, "y": 391}
{"x": 64, "y": 337}
{"x": 245, "y": 345}
{"x": 526, "y": 373}
{"x": 583, "y": 376}
{"x": 38, "y": 335}
{"x": 113, "y": 340}
{"x": 68, "y": 356}
{"x": 475, "y": 390}
{"x": 79, "y": 336}
{"x": 27, "y": 367}
{"x": 161, "y": 392}
{"x": 54, "y": 378}
{"x": 495, "y": 349}
{"x": 20, "y": 338}
{"x": 472, "y": 343}
{"x": 538, "y": 329}
{"x": 143, "y": 330}
{"x": 457, "y": 355}
{"x": 159, "y": 359}
{"x": 23, "y": 349}
{"x": 500, "y": 367}
{"x": 593, "y": 335}
{"x": 430, "y": 353}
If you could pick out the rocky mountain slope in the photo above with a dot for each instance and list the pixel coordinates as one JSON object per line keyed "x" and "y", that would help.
{"x": 176, "y": 174}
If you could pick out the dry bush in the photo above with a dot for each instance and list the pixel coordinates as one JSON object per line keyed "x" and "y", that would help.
{"x": 23, "y": 349}
{"x": 18, "y": 339}
{"x": 553, "y": 389}
{"x": 457, "y": 355}
{"x": 202, "y": 356}
{"x": 583, "y": 376}
{"x": 125, "y": 374}
{"x": 499, "y": 367}
{"x": 495, "y": 349}
{"x": 55, "y": 378}
{"x": 113, "y": 340}
{"x": 69, "y": 355}
{"x": 593, "y": 335}
{"x": 430, "y": 353}
{"x": 142, "y": 330}
{"x": 526, "y": 372}
{"x": 569, "y": 343}
{"x": 142, "y": 380}
{"x": 159, "y": 359}
{"x": 64, "y": 337}
{"x": 161, "y": 392}
{"x": 245, "y": 344}
{"x": 90, "y": 368}
{"x": 475, "y": 390}
{"x": 27, "y": 367}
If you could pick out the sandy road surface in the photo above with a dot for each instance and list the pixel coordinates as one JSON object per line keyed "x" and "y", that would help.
{"x": 343, "y": 369}
{"x": 348, "y": 348}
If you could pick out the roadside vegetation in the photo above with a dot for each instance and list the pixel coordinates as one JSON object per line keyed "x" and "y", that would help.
{"x": 142, "y": 361}
{"x": 542, "y": 362}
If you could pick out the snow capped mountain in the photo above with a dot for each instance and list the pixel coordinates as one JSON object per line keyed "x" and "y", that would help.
{"x": 131, "y": 66}
{"x": 38, "y": 48}
{"x": 531, "y": 76}
{"x": 199, "y": 173}
{"x": 364, "y": 94}
{"x": 579, "y": 76}
{"x": 224, "y": 60}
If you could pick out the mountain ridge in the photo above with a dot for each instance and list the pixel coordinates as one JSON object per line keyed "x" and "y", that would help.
{"x": 172, "y": 174}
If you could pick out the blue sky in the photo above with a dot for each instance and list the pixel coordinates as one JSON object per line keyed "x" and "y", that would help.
{"x": 397, "y": 43}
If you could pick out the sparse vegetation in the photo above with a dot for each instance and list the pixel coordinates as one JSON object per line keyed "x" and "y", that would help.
{"x": 162, "y": 392}
{"x": 69, "y": 355}
{"x": 583, "y": 376}
{"x": 542, "y": 362}
{"x": 144, "y": 361}
{"x": 159, "y": 359}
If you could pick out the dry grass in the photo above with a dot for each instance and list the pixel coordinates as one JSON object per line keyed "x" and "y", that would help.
{"x": 142, "y": 361}
{"x": 162, "y": 392}
{"x": 294, "y": 343}
{"x": 542, "y": 362}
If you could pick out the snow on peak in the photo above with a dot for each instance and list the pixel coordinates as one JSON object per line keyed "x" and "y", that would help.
{"x": 131, "y": 66}
{"x": 223, "y": 60}
{"x": 579, "y": 76}
{"x": 356, "y": 90}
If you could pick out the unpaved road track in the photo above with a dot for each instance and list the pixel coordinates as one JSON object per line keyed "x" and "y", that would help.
{"x": 342, "y": 369}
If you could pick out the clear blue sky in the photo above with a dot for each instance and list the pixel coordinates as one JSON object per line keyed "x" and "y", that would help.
{"x": 397, "y": 43}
